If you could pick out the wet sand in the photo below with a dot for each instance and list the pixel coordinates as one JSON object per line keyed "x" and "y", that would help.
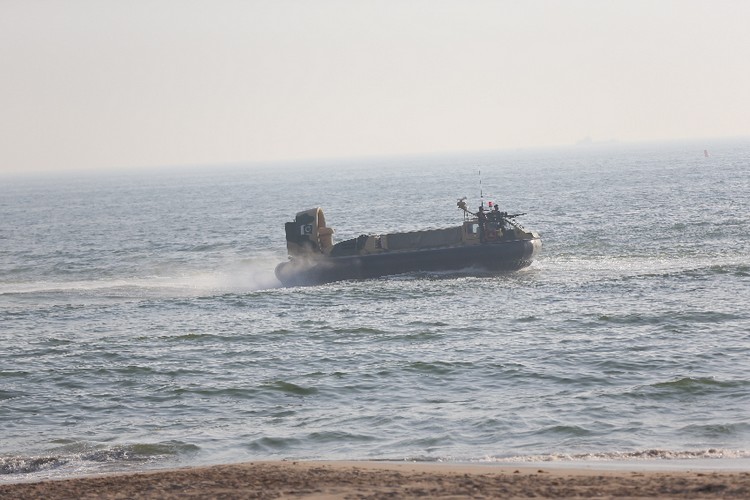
{"x": 344, "y": 480}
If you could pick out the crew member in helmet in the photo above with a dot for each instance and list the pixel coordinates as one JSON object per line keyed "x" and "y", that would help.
{"x": 482, "y": 223}
{"x": 498, "y": 219}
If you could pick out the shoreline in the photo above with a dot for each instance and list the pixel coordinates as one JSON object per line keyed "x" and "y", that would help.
{"x": 349, "y": 479}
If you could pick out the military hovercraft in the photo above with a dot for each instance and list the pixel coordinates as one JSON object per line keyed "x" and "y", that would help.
{"x": 487, "y": 239}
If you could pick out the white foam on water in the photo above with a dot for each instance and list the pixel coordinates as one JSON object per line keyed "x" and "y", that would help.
{"x": 707, "y": 459}
{"x": 243, "y": 276}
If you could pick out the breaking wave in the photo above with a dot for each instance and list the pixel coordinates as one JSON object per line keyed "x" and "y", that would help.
{"x": 85, "y": 458}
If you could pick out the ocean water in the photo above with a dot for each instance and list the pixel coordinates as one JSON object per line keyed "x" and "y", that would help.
{"x": 141, "y": 325}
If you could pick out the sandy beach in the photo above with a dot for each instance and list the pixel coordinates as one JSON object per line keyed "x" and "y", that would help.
{"x": 340, "y": 480}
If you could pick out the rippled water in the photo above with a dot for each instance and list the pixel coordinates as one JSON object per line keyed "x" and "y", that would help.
{"x": 141, "y": 325}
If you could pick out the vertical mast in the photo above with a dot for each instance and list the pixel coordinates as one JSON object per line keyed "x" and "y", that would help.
{"x": 481, "y": 194}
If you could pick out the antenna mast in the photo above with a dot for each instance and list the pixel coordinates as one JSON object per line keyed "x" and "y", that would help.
{"x": 481, "y": 194}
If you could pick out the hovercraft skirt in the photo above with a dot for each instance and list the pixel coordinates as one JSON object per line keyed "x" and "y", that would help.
{"x": 497, "y": 256}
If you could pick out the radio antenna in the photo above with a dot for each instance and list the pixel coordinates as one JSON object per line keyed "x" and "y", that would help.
{"x": 481, "y": 194}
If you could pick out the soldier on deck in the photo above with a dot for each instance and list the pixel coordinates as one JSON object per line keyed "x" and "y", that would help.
{"x": 482, "y": 223}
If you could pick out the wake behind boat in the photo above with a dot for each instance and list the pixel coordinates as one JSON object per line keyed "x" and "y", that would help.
{"x": 488, "y": 239}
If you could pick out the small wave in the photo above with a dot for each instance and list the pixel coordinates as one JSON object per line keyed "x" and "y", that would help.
{"x": 289, "y": 388}
{"x": 686, "y": 386}
{"x": 197, "y": 337}
{"x": 273, "y": 445}
{"x": 687, "y": 317}
{"x": 339, "y": 437}
{"x": 235, "y": 393}
{"x": 527, "y": 319}
{"x": 705, "y": 270}
{"x": 270, "y": 445}
{"x": 206, "y": 247}
{"x": 361, "y": 330}
{"x": 699, "y": 385}
{"x": 84, "y": 457}
{"x": 27, "y": 465}
{"x": 733, "y": 269}
{"x": 567, "y": 430}
{"x": 649, "y": 454}
{"x": 422, "y": 323}
{"x": 631, "y": 319}
{"x": 435, "y": 367}
{"x": 717, "y": 430}
{"x": 6, "y": 395}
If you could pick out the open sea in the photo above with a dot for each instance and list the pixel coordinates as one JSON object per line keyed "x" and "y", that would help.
{"x": 141, "y": 325}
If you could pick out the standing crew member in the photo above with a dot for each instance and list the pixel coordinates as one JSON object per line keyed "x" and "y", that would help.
{"x": 482, "y": 224}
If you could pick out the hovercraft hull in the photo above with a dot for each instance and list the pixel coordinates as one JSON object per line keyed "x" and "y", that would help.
{"x": 496, "y": 256}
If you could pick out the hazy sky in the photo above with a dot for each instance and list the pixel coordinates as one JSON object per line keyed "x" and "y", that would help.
{"x": 101, "y": 84}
